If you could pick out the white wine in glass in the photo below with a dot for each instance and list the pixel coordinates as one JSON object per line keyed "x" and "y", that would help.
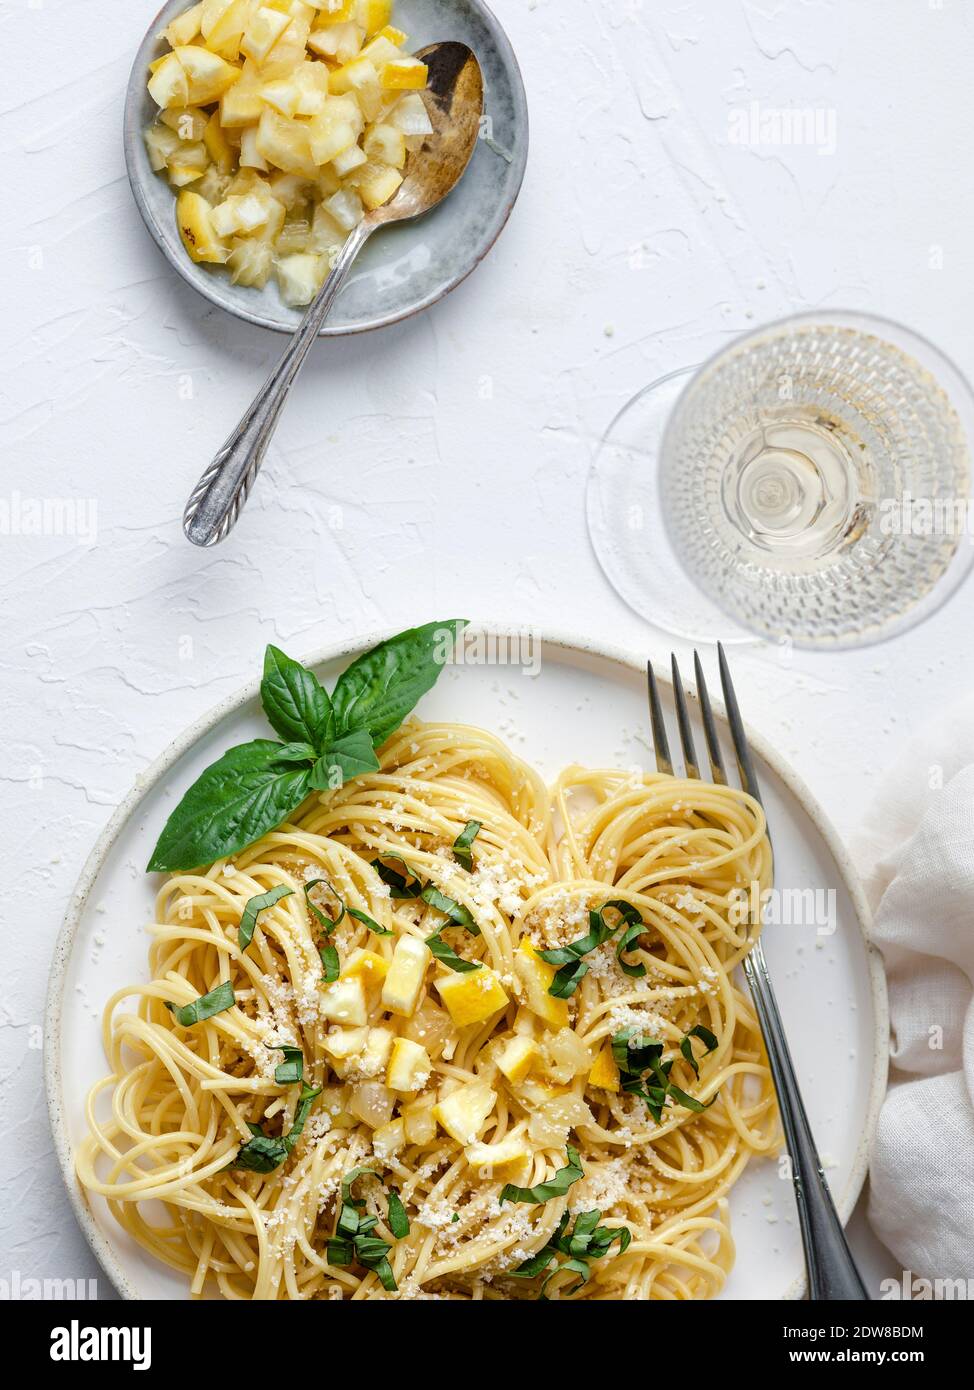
{"x": 812, "y": 484}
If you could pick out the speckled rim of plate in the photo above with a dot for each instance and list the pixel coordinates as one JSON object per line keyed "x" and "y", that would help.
{"x": 567, "y": 642}
{"x": 211, "y": 286}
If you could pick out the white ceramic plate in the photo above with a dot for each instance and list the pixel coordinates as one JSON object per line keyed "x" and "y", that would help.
{"x": 583, "y": 705}
{"x": 402, "y": 269}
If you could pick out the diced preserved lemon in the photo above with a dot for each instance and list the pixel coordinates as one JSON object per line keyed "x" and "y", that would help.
{"x": 418, "y": 1119}
{"x": 250, "y": 155}
{"x": 185, "y": 27}
{"x": 473, "y": 996}
{"x": 208, "y": 75}
{"x": 189, "y": 122}
{"x": 404, "y": 982}
{"x": 161, "y": 144}
{"x": 374, "y": 1057}
{"x": 218, "y": 145}
{"x": 237, "y": 216}
{"x": 536, "y": 976}
{"x": 376, "y": 183}
{"x": 193, "y": 215}
{"x": 373, "y": 15}
{"x": 387, "y": 1141}
{"x": 405, "y": 75}
{"x": 349, "y": 159}
{"x": 604, "y": 1073}
{"x": 284, "y": 144}
{"x": 409, "y": 1066}
{"x": 338, "y": 41}
{"x": 334, "y": 11}
{"x": 344, "y": 1000}
{"x": 463, "y": 1113}
{"x": 251, "y": 262}
{"x": 342, "y": 1043}
{"x": 506, "y": 1161}
{"x": 372, "y": 1103}
{"x": 384, "y": 144}
{"x": 372, "y": 967}
{"x": 429, "y": 1025}
{"x": 518, "y": 1057}
{"x": 262, "y": 33}
{"x": 169, "y": 85}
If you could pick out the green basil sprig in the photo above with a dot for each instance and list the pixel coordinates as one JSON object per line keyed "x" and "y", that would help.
{"x": 586, "y": 1242}
{"x": 326, "y": 740}
{"x": 401, "y": 888}
{"x": 554, "y": 1187}
{"x": 205, "y": 1006}
{"x": 569, "y": 958}
{"x": 252, "y": 909}
{"x": 263, "y": 1153}
{"x": 643, "y": 1072}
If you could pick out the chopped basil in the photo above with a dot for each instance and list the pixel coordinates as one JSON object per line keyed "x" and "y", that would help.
{"x": 353, "y": 1242}
{"x": 252, "y": 908}
{"x": 639, "y": 1058}
{"x": 398, "y": 884}
{"x": 369, "y": 922}
{"x": 328, "y": 923}
{"x": 554, "y": 1187}
{"x": 568, "y": 958}
{"x": 462, "y": 845}
{"x": 448, "y": 956}
{"x": 588, "y": 1241}
{"x": 456, "y": 912}
{"x": 706, "y": 1037}
{"x": 398, "y": 1220}
{"x": 262, "y": 1154}
{"x": 216, "y": 1002}
{"x": 291, "y": 1070}
{"x": 329, "y": 960}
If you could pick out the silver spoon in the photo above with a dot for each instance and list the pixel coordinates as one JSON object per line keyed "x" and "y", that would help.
{"x": 455, "y": 101}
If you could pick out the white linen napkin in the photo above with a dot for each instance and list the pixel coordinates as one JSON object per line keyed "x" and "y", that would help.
{"x": 916, "y": 855}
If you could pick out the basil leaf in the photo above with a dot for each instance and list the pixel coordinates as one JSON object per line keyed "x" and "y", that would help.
{"x": 296, "y": 704}
{"x": 397, "y": 883}
{"x": 292, "y": 1068}
{"x": 448, "y": 956}
{"x": 205, "y": 1006}
{"x": 350, "y": 756}
{"x": 296, "y": 753}
{"x": 369, "y": 922}
{"x": 327, "y": 923}
{"x": 339, "y": 1252}
{"x": 331, "y": 963}
{"x": 260, "y": 1154}
{"x": 578, "y": 1267}
{"x": 348, "y": 1183}
{"x": 462, "y": 844}
{"x": 378, "y": 690}
{"x": 398, "y": 1220}
{"x": 455, "y": 911}
{"x": 629, "y": 936}
{"x": 554, "y": 1187}
{"x": 695, "y": 1105}
{"x": 706, "y": 1037}
{"x": 567, "y": 979}
{"x": 236, "y": 800}
{"x": 305, "y": 1101}
{"x": 252, "y": 909}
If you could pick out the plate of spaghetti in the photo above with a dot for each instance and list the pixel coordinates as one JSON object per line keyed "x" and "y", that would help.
{"x": 434, "y": 994}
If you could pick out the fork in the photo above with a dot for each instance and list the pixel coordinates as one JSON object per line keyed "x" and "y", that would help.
{"x": 832, "y": 1272}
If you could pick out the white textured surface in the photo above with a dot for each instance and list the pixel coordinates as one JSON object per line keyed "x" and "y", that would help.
{"x": 439, "y": 466}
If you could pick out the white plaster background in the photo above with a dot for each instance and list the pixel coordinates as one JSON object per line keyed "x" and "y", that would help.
{"x": 499, "y": 395}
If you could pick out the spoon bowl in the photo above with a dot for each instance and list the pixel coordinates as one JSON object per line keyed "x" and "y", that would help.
{"x": 455, "y": 103}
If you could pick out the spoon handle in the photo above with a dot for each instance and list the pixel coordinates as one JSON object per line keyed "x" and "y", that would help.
{"x": 219, "y": 496}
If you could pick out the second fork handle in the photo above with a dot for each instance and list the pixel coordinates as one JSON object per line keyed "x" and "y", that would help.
{"x": 219, "y": 495}
{"x": 832, "y": 1272}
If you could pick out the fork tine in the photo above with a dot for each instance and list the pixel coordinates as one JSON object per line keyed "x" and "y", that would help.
{"x": 683, "y": 721}
{"x": 660, "y": 745}
{"x": 709, "y": 726}
{"x": 749, "y": 779}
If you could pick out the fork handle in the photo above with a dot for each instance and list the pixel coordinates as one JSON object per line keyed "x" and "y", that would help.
{"x": 221, "y": 492}
{"x": 832, "y": 1272}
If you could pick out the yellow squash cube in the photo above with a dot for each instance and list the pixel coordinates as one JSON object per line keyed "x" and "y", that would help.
{"x": 404, "y": 982}
{"x": 518, "y": 1057}
{"x": 473, "y": 996}
{"x": 604, "y": 1073}
{"x": 463, "y": 1113}
{"x": 536, "y": 976}
{"x": 409, "y": 1066}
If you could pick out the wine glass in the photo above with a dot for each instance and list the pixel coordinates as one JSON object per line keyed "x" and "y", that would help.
{"x": 809, "y": 483}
